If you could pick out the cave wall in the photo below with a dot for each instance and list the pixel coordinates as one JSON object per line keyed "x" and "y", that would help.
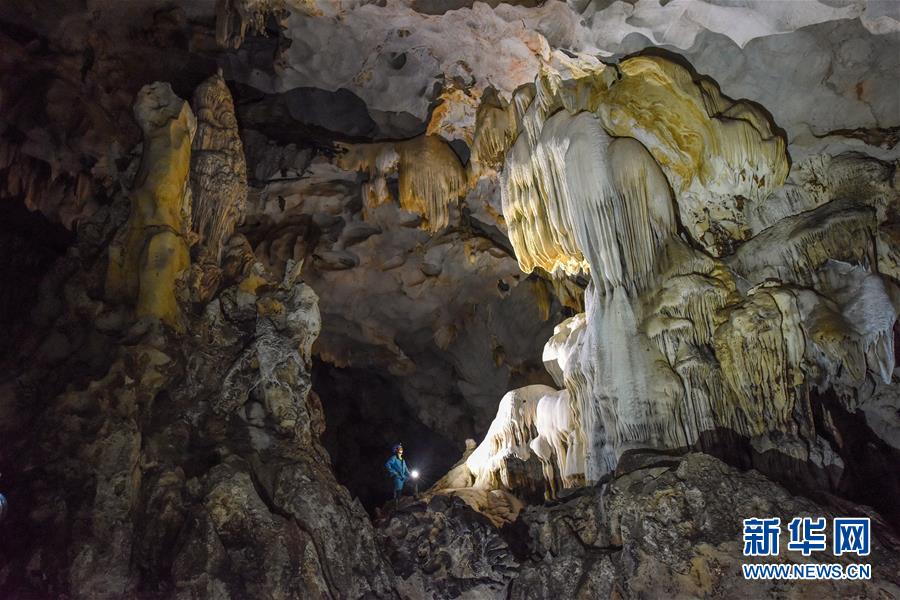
{"x": 172, "y": 453}
{"x": 592, "y": 233}
{"x": 449, "y": 314}
{"x": 709, "y": 317}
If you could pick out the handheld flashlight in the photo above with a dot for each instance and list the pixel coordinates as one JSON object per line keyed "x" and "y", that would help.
{"x": 415, "y": 476}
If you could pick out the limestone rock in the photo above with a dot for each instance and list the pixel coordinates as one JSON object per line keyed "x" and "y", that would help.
{"x": 675, "y": 342}
{"x": 234, "y": 18}
{"x": 218, "y": 169}
{"x": 669, "y": 527}
{"x": 430, "y": 176}
{"x": 533, "y": 424}
{"x": 713, "y": 232}
{"x": 160, "y": 471}
{"x": 150, "y": 253}
{"x": 444, "y": 549}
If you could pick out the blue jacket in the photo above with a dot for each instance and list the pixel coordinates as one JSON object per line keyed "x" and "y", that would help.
{"x": 397, "y": 469}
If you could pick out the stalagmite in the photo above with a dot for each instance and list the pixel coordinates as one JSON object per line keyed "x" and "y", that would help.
{"x": 557, "y": 443}
{"x": 534, "y": 420}
{"x": 218, "y": 169}
{"x": 639, "y": 260}
{"x": 508, "y": 436}
{"x": 150, "y": 252}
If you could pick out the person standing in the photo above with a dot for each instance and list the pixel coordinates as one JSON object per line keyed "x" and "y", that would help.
{"x": 397, "y": 469}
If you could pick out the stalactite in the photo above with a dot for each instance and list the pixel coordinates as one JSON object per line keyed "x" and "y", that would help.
{"x": 495, "y": 132}
{"x": 673, "y": 341}
{"x": 542, "y": 297}
{"x": 234, "y": 18}
{"x": 758, "y": 349}
{"x": 720, "y": 156}
{"x": 430, "y": 176}
{"x": 795, "y": 248}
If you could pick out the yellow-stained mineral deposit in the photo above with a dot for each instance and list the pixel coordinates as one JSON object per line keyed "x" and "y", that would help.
{"x": 429, "y": 174}
{"x": 150, "y": 252}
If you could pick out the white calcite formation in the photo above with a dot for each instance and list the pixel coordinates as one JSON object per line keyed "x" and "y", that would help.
{"x": 678, "y": 23}
{"x": 825, "y": 70}
{"x": 696, "y": 318}
{"x": 719, "y": 157}
{"x": 534, "y": 419}
{"x": 509, "y": 434}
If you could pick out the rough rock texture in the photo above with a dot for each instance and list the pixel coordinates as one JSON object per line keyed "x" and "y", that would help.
{"x": 704, "y": 195}
{"x": 444, "y": 549}
{"x": 150, "y": 253}
{"x": 69, "y": 78}
{"x": 391, "y": 290}
{"x": 404, "y": 56}
{"x": 155, "y": 463}
{"x": 831, "y": 91}
{"x": 365, "y": 413}
{"x": 667, "y": 527}
{"x": 218, "y": 168}
{"x": 832, "y": 88}
{"x": 692, "y": 324}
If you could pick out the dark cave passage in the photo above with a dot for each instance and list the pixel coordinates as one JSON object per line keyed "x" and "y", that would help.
{"x": 31, "y": 243}
{"x": 365, "y": 415}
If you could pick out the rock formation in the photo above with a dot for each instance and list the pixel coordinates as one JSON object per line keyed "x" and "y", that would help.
{"x": 664, "y": 527}
{"x": 618, "y": 274}
{"x": 690, "y": 327}
{"x": 204, "y": 475}
{"x": 218, "y": 169}
{"x": 150, "y": 253}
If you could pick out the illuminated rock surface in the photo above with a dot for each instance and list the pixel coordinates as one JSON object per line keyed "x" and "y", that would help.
{"x": 665, "y": 528}
{"x": 676, "y": 343}
{"x": 150, "y": 253}
{"x": 218, "y": 170}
